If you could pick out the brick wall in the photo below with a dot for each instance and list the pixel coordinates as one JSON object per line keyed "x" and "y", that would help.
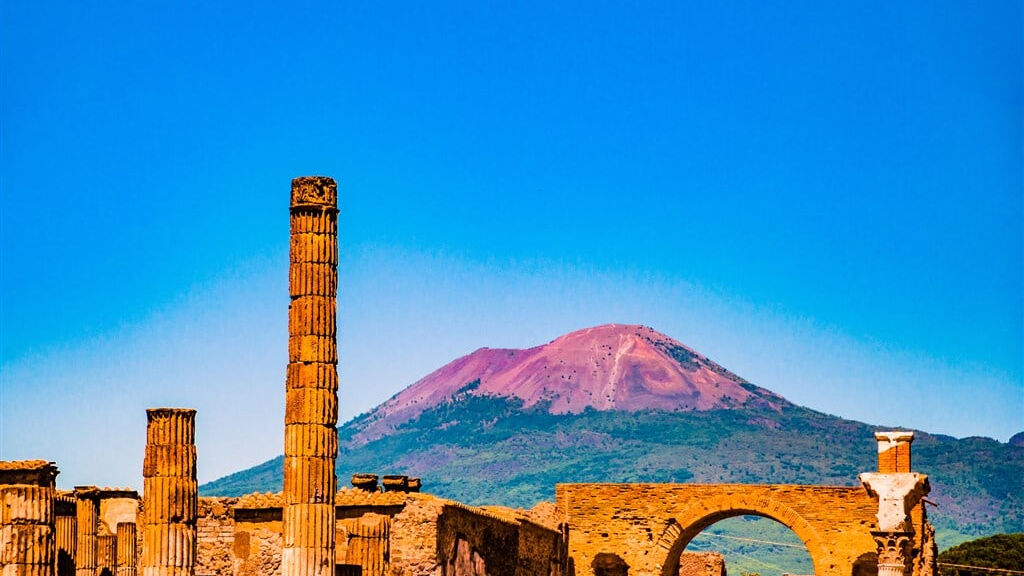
{"x": 649, "y": 525}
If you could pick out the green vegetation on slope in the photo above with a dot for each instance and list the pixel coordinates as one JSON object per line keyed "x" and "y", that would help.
{"x": 1003, "y": 551}
{"x": 489, "y": 450}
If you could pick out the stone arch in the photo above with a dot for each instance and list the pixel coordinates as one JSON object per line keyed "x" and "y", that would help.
{"x": 693, "y": 520}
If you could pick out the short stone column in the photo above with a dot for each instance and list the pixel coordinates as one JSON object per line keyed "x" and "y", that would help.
{"x": 126, "y": 549}
{"x": 311, "y": 387}
{"x": 27, "y": 539}
{"x": 170, "y": 493}
{"x": 66, "y": 525}
{"x": 87, "y": 507}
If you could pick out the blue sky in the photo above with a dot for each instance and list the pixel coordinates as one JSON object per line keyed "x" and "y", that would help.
{"x": 825, "y": 199}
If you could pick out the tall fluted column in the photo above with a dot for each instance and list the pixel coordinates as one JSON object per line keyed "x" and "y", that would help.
{"x": 126, "y": 549}
{"x": 171, "y": 494}
{"x": 66, "y": 525}
{"x": 87, "y": 502}
{"x": 27, "y": 543}
{"x": 311, "y": 388}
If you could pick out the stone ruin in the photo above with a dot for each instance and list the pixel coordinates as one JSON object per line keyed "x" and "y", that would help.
{"x": 387, "y": 526}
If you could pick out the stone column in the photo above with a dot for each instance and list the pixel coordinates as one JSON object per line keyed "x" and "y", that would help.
{"x": 171, "y": 493}
{"x": 311, "y": 387}
{"x": 27, "y": 542}
{"x": 87, "y": 504}
{"x": 898, "y": 491}
{"x": 126, "y": 549}
{"x": 66, "y": 510}
{"x": 106, "y": 554}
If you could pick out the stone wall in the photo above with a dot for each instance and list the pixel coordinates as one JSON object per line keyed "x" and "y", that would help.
{"x": 215, "y": 532}
{"x": 382, "y": 534}
{"x": 472, "y": 543}
{"x": 701, "y": 564}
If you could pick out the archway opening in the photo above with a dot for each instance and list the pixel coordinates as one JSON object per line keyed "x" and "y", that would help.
{"x": 747, "y": 545}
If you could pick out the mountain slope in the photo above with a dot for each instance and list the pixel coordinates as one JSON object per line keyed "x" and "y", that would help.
{"x": 486, "y": 429}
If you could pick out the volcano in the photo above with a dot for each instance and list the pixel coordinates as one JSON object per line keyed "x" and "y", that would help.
{"x": 610, "y": 367}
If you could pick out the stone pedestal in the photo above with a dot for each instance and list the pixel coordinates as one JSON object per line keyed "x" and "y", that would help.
{"x": 27, "y": 539}
{"x": 311, "y": 388}
{"x": 126, "y": 549}
{"x": 87, "y": 517}
{"x": 171, "y": 493}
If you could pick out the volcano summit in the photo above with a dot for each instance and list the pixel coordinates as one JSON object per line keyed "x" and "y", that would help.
{"x": 610, "y": 367}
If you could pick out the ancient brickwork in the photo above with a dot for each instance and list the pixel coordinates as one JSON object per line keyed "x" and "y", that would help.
{"x": 472, "y": 543}
{"x": 215, "y": 533}
{"x": 171, "y": 493}
{"x": 87, "y": 520}
{"x": 540, "y": 551}
{"x": 27, "y": 520}
{"x": 65, "y": 510}
{"x": 649, "y": 525}
{"x": 380, "y": 534}
{"x": 414, "y": 538}
{"x": 701, "y": 564}
{"x": 894, "y": 451}
{"x": 127, "y": 549}
{"x": 311, "y": 408}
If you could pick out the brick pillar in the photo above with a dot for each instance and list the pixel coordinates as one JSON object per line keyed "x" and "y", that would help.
{"x": 27, "y": 542}
{"x": 87, "y": 508}
{"x": 171, "y": 494}
{"x": 126, "y": 549}
{"x": 894, "y": 451}
{"x": 66, "y": 527}
{"x": 311, "y": 387}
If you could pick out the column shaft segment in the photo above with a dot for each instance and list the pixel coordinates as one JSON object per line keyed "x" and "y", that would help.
{"x": 66, "y": 526}
{"x": 311, "y": 387}
{"x": 27, "y": 540}
{"x": 171, "y": 493}
{"x": 87, "y": 508}
{"x": 126, "y": 549}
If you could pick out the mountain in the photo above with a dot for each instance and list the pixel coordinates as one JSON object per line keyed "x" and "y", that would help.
{"x": 621, "y": 403}
{"x": 610, "y": 367}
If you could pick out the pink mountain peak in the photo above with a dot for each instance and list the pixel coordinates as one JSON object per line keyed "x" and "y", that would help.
{"x": 609, "y": 367}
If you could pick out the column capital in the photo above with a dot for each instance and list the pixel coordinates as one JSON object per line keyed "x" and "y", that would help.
{"x": 893, "y": 551}
{"x": 897, "y": 495}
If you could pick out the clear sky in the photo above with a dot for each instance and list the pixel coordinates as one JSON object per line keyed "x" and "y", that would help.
{"x": 825, "y": 199}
